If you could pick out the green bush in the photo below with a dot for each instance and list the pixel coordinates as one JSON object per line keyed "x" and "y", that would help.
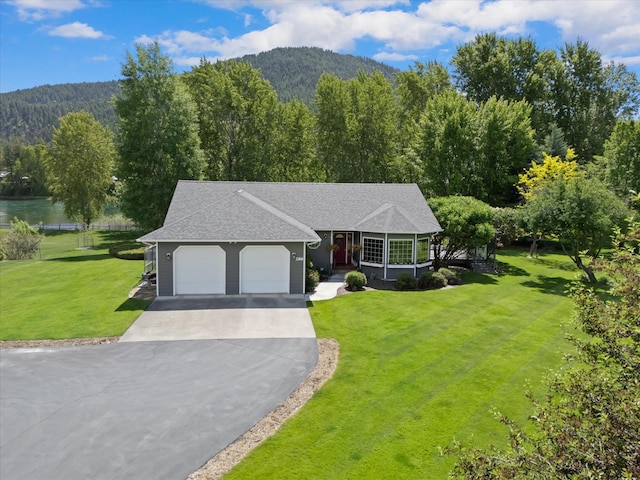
{"x": 432, "y": 281}
{"x": 21, "y": 243}
{"x": 355, "y": 280}
{"x": 313, "y": 278}
{"x": 406, "y": 281}
{"x": 453, "y": 278}
{"x": 131, "y": 251}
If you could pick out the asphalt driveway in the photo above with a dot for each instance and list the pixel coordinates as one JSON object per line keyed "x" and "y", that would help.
{"x": 149, "y": 410}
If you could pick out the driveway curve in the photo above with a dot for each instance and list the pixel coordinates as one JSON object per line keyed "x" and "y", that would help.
{"x": 143, "y": 410}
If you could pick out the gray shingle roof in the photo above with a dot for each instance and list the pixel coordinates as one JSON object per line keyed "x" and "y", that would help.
{"x": 260, "y": 211}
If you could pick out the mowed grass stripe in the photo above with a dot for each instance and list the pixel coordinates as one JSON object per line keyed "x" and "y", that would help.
{"x": 418, "y": 369}
{"x": 456, "y": 400}
{"x": 67, "y": 292}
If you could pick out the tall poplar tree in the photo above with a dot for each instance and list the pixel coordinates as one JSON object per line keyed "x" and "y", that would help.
{"x": 357, "y": 128}
{"x": 158, "y": 136}
{"x": 236, "y": 114}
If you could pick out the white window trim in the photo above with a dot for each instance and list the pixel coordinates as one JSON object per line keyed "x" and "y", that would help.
{"x": 413, "y": 256}
{"x": 373, "y": 264}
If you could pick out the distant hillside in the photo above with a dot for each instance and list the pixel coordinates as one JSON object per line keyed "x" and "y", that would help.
{"x": 293, "y": 72}
{"x": 32, "y": 113}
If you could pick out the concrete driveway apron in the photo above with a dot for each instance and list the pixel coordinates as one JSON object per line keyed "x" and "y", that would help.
{"x": 145, "y": 410}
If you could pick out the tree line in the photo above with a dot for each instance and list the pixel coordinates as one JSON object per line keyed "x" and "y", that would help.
{"x": 469, "y": 133}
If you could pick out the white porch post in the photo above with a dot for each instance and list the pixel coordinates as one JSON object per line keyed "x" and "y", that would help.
{"x": 385, "y": 255}
{"x": 415, "y": 254}
{"x": 304, "y": 268}
{"x": 331, "y": 251}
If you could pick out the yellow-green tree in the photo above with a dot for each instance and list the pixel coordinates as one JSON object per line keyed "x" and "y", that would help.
{"x": 551, "y": 168}
{"x": 535, "y": 177}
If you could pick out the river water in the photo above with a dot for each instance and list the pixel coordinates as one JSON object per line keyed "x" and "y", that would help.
{"x": 38, "y": 210}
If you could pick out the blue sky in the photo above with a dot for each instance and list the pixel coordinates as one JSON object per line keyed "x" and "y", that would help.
{"x": 64, "y": 41}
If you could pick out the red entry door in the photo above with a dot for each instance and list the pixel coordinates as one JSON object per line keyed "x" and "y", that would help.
{"x": 344, "y": 240}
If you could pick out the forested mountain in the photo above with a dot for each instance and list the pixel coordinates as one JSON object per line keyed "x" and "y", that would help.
{"x": 33, "y": 113}
{"x": 293, "y": 72}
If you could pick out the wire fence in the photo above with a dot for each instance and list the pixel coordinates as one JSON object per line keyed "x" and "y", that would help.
{"x": 79, "y": 226}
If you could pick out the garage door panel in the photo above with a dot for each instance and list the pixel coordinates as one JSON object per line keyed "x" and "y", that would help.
{"x": 264, "y": 269}
{"x": 199, "y": 269}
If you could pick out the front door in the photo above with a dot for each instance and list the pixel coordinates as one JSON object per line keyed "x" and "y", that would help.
{"x": 344, "y": 241}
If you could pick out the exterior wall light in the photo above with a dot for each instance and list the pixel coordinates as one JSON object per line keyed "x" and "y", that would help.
{"x": 168, "y": 256}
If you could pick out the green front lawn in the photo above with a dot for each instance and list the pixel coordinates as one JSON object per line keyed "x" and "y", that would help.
{"x": 418, "y": 369}
{"x": 69, "y": 292}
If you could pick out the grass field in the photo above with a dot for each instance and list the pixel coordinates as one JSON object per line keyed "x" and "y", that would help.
{"x": 418, "y": 369}
{"x": 69, "y": 292}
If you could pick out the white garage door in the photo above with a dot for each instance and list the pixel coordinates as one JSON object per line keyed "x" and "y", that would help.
{"x": 264, "y": 269}
{"x": 199, "y": 269}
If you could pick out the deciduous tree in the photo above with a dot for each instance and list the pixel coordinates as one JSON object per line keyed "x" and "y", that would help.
{"x": 25, "y": 169}
{"x": 588, "y": 96}
{"x": 293, "y": 147}
{"x": 445, "y": 146}
{"x": 621, "y": 159}
{"x": 158, "y": 136}
{"x": 80, "y": 166}
{"x": 551, "y": 168}
{"x": 460, "y": 148}
{"x": 494, "y": 66}
{"x": 466, "y": 223}
{"x": 581, "y": 212}
{"x": 236, "y": 116}
{"x": 357, "y": 128}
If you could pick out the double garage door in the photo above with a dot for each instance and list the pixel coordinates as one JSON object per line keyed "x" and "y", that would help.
{"x": 201, "y": 269}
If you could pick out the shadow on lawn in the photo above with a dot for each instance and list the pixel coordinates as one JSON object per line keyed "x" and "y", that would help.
{"x": 133, "y": 304}
{"x": 114, "y": 238}
{"x": 81, "y": 258}
{"x": 479, "y": 278}
{"x": 559, "y": 264}
{"x": 508, "y": 269}
{"x": 551, "y": 285}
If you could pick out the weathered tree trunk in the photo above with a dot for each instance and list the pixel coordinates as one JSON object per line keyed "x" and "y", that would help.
{"x": 588, "y": 271}
{"x": 533, "y": 251}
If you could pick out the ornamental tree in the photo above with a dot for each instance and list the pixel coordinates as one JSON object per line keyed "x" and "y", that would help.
{"x": 466, "y": 224}
{"x": 581, "y": 212}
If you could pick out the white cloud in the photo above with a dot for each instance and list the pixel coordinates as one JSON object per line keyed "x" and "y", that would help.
{"x": 393, "y": 57}
{"x": 99, "y": 58}
{"x": 76, "y": 30}
{"x": 406, "y": 29}
{"x": 34, "y": 10}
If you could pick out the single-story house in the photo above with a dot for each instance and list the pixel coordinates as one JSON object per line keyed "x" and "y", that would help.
{"x": 256, "y": 237}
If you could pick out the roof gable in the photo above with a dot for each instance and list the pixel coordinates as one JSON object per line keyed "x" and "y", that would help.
{"x": 263, "y": 211}
{"x": 237, "y": 217}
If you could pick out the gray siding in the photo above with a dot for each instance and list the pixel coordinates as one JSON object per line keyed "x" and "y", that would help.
{"x": 372, "y": 272}
{"x": 232, "y": 250}
{"x": 321, "y": 257}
